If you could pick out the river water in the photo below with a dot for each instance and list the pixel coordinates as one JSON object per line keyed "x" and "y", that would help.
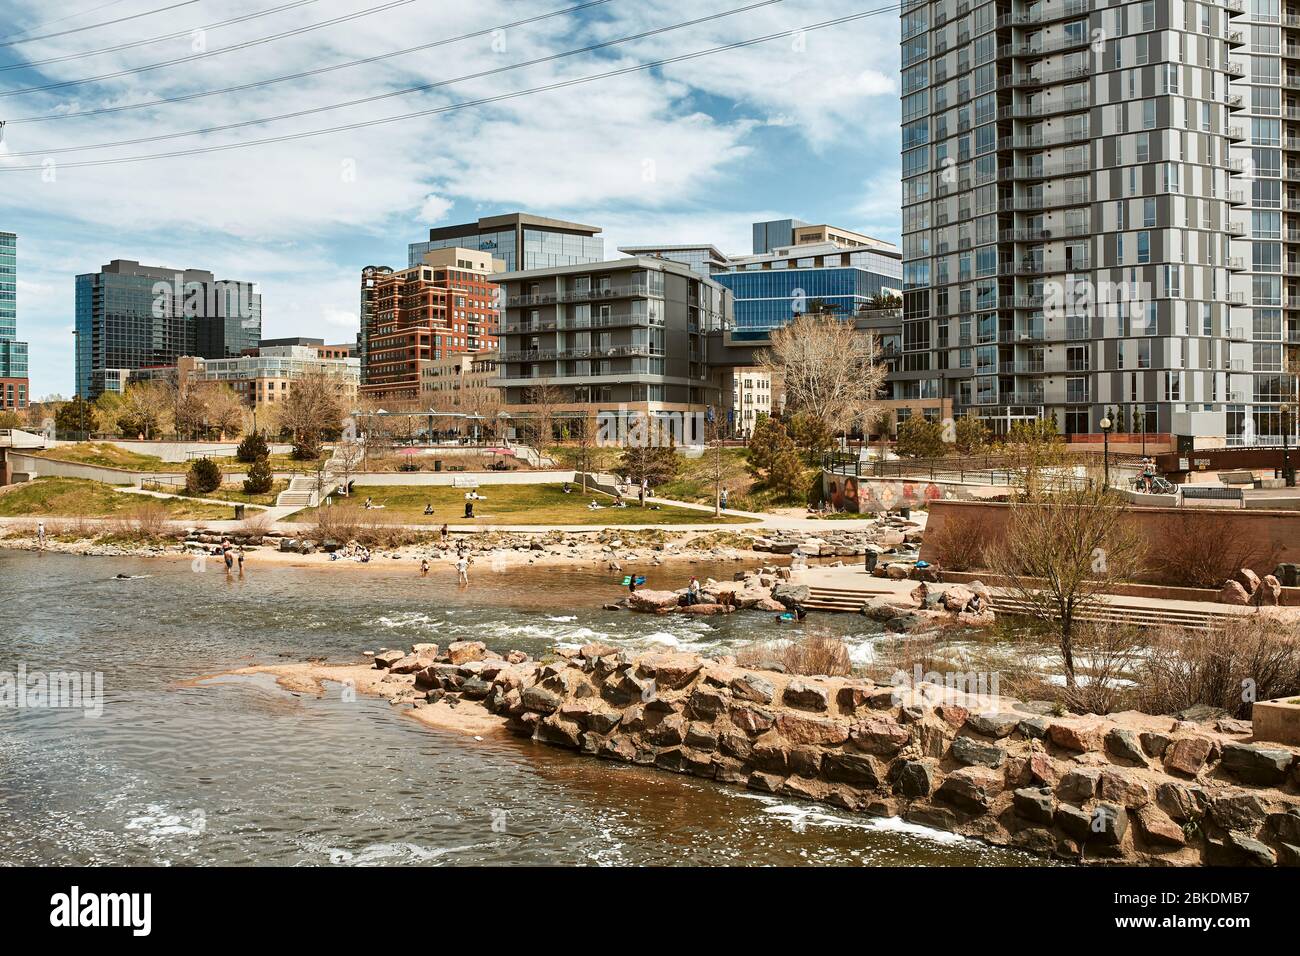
{"x": 243, "y": 772}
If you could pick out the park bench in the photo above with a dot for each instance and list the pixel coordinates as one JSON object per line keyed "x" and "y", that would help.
{"x": 1211, "y": 493}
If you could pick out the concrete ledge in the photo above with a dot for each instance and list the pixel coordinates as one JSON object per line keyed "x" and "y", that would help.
{"x": 1277, "y": 721}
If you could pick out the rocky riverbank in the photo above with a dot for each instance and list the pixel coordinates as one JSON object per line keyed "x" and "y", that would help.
{"x": 1128, "y": 788}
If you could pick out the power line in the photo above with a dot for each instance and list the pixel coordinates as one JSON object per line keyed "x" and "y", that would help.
{"x": 424, "y": 87}
{"x": 562, "y": 84}
{"x": 316, "y": 72}
{"x": 82, "y": 13}
{"x": 158, "y": 39}
{"x": 199, "y": 56}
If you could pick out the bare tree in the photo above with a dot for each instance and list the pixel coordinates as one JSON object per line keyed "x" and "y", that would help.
{"x": 348, "y": 456}
{"x": 829, "y": 369}
{"x": 544, "y": 399}
{"x": 1061, "y": 552}
{"x": 584, "y": 435}
{"x": 314, "y": 406}
{"x": 225, "y": 411}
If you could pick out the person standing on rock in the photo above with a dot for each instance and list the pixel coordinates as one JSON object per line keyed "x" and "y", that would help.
{"x": 40, "y": 535}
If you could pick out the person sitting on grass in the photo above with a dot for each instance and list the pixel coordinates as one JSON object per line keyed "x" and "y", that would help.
{"x": 567, "y": 489}
{"x": 428, "y": 508}
{"x": 594, "y": 506}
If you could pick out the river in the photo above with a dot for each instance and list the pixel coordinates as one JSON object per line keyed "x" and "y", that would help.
{"x": 243, "y": 772}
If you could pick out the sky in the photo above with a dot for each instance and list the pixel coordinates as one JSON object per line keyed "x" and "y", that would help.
{"x": 803, "y": 126}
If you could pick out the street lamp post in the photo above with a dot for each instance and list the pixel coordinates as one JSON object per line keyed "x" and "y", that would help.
{"x": 1105, "y": 424}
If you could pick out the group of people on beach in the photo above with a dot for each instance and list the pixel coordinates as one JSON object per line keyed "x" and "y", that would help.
{"x": 230, "y": 555}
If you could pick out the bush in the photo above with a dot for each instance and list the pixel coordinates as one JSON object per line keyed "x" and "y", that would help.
{"x": 919, "y": 438}
{"x": 147, "y": 522}
{"x": 204, "y": 476}
{"x": 811, "y": 655}
{"x": 306, "y": 448}
{"x": 1198, "y": 550}
{"x": 959, "y": 543}
{"x": 260, "y": 478}
{"x": 1184, "y": 668}
{"x": 251, "y": 449}
{"x": 351, "y": 522}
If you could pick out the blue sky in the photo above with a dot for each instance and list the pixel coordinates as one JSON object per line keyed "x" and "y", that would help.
{"x": 803, "y": 126}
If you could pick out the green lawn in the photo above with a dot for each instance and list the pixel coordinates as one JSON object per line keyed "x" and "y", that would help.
{"x": 115, "y": 456}
{"x": 80, "y": 497}
{"x": 235, "y": 493}
{"x": 514, "y": 504}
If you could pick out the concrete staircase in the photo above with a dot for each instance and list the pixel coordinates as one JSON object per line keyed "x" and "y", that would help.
{"x": 1118, "y": 612}
{"x": 840, "y": 599}
{"x": 301, "y": 493}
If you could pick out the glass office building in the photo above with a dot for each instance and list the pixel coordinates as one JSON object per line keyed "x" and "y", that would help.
{"x": 130, "y": 316}
{"x": 13, "y": 354}
{"x": 774, "y": 234}
{"x": 521, "y": 240}
{"x": 770, "y": 298}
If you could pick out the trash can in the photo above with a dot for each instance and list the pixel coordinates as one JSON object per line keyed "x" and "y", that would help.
{"x": 239, "y": 512}
{"x": 869, "y": 561}
{"x": 437, "y": 464}
{"x": 905, "y": 513}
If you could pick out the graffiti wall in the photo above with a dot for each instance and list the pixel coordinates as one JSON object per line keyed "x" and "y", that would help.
{"x": 869, "y": 495}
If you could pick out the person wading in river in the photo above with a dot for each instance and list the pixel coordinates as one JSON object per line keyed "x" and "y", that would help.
{"x": 462, "y": 570}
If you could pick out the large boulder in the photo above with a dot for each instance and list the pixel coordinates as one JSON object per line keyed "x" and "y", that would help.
{"x": 1253, "y": 763}
{"x": 1269, "y": 592}
{"x": 806, "y": 696}
{"x": 752, "y": 687}
{"x": 957, "y": 597}
{"x": 1188, "y": 755}
{"x": 1248, "y": 580}
{"x": 791, "y": 594}
{"x": 652, "y": 602}
{"x": 799, "y": 729}
{"x": 971, "y": 752}
{"x": 972, "y": 789}
{"x": 1081, "y": 736}
{"x": 386, "y": 659}
{"x": 882, "y": 736}
{"x": 1233, "y": 593}
{"x": 462, "y": 652}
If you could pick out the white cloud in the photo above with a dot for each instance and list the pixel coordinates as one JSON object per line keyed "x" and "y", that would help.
{"x": 648, "y": 155}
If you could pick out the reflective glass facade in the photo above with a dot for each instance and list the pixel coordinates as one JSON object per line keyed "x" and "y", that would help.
{"x": 769, "y": 298}
{"x": 13, "y": 354}
{"x": 524, "y": 244}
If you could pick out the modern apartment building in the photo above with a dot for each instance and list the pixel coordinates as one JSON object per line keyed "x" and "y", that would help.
{"x": 521, "y": 240}
{"x": 1071, "y": 202}
{"x": 627, "y": 336}
{"x": 130, "y": 316}
{"x": 13, "y": 354}
{"x": 814, "y": 268}
{"x": 265, "y": 375}
{"x": 446, "y": 305}
{"x": 443, "y": 381}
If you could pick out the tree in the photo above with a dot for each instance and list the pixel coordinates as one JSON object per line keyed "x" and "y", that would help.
{"x": 971, "y": 435}
{"x": 143, "y": 410}
{"x": 769, "y": 438}
{"x": 544, "y": 399}
{"x": 884, "y": 300}
{"x": 584, "y": 433}
{"x": 77, "y": 415}
{"x": 1034, "y": 451}
{"x": 260, "y": 478}
{"x": 774, "y": 459}
{"x": 882, "y": 424}
{"x": 828, "y": 368}
{"x": 348, "y": 457}
{"x": 204, "y": 476}
{"x": 251, "y": 449}
{"x": 10, "y": 420}
{"x": 717, "y": 462}
{"x": 1061, "y": 551}
{"x": 225, "y": 411}
{"x": 312, "y": 408}
{"x": 812, "y": 435}
{"x": 918, "y": 437}
{"x": 645, "y": 459}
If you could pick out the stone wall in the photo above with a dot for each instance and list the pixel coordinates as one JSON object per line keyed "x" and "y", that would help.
{"x": 1277, "y": 531}
{"x": 1130, "y": 788}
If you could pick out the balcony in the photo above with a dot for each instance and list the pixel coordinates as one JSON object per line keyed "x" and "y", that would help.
{"x": 1043, "y": 171}
{"x": 1078, "y": 197}
{"x": 1236, "y": 197}
{"x": 1234, "y": 101}
{"x": 1013, "y": 80}
{"x": 1078, "y": 134}
{"x": 1234, "y": 69}
{"x": 1291, "y": 142}
{"x": 1042, "y": 49}
{"x": 1034, "y": 266}
{"x": 1236, "y": 264}
{"x": 636, "y": 290}
{"x": 1072, "y": 8}
{"x": 1020, "y": 398}
{"x": 1236, "y": 133}
{"x": 591, "y": 322}
{"x": 1237, "y": 229}
{"x": 547, "y": 355}
{"x": 1031, "y": 110}
{"x": 1042, "y": 235}
{"x": 1021, "y": 368}
{"x": 1077, "y": 396}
